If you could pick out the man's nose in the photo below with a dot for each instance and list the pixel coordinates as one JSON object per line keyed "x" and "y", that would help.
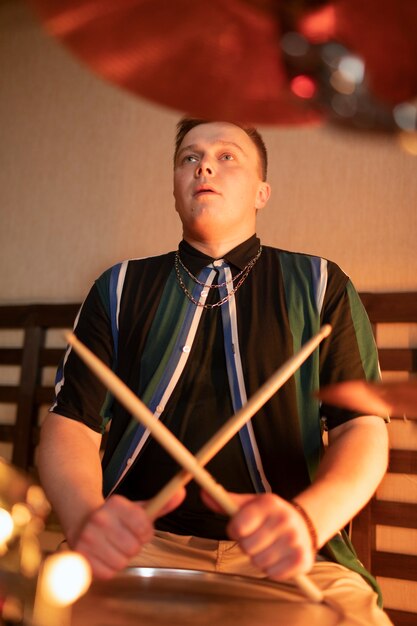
{"x": 203, "y": 168}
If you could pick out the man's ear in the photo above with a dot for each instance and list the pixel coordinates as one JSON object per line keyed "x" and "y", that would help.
{"x": 263, "y": 195}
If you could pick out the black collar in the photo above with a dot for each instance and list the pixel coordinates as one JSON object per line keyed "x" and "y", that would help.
{"x": 239, "y": 257}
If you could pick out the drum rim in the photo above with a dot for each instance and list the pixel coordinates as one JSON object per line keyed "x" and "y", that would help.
{"x": 267, "y": 589}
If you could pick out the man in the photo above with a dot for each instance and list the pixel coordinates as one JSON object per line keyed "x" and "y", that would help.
{"x": 195, "y": 333}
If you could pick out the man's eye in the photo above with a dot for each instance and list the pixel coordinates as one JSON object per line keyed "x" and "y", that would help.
{"x": 227, "y": 157}
{"x": 190, "y": 158}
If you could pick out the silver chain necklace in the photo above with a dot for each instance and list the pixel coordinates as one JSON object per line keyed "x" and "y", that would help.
{"x": 242, "y": 275}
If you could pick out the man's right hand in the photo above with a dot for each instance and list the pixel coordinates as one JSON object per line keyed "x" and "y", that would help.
{"x": 115, "y": 532}
{"x": 108, "y": 533}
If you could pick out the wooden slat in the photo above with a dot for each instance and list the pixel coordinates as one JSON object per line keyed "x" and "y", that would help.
{"x": 50, "y": 356}
{"x": 398, "y": 359}
{"x": 36, "y": 435}
{"x": 14, "y": 316}
{"x": 14, "y": 356}
{"x": 403, "y": 462}
{"x": 394, "y": 565}
{"x": 44, "y": 315}
{"x": 391, "y": 307}
{"x": 44, "y": 395}
{"x": 402, "y": 618}
{"x": 363, "y": 535}
{"x": 7, "y": 433}
{"x": 9, "y": 393}
{"x": 401, "y": 514}
{"x": 26, "y": 411}
{"x": 11, "y": 356}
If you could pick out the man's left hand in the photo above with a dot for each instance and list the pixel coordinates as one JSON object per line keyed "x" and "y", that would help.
{"x": 271, "y": 532}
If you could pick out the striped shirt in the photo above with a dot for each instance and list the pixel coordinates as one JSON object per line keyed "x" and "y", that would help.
{"x": 195, "y": 366}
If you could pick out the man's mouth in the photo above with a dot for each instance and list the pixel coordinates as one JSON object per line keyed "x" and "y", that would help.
{"x": 203, "y": 190}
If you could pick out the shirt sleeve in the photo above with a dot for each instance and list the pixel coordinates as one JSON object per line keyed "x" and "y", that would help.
{"x": 79, "y": 394}
{"x": 350, "y": 353}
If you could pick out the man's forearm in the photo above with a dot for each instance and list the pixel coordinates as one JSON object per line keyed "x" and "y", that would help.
{"x": 351, "y": 470}
{"x": 70, "y": 471}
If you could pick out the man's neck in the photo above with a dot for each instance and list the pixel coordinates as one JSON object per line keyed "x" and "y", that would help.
{"x": 215, "y": 249}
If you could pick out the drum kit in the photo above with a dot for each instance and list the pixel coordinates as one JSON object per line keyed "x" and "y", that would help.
{"x": 140, "y": 595}
{"x": 49, "y": 591}
{"x": 257, "y": 61}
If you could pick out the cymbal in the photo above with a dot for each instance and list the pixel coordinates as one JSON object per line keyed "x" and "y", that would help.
{"x": 216, "y": 60}
{"x": 224, "y": 60}
{"x": 382, "y": 32}
{"x": 395, "y": 398}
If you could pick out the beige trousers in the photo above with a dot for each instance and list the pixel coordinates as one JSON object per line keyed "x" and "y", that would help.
{"x": 345, "y": 588}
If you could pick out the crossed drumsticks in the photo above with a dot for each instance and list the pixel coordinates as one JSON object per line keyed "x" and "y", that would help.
{"x": 193, "y": 466}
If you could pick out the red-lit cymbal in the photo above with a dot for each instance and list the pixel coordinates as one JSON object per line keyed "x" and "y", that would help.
{"x": 223, "y": 59}
{"x": 382, "y": 32}
{"x": 398, "y": 399}
{"x": 215, "y": 59}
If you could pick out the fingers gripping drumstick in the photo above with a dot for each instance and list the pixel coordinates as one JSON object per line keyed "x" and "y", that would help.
{"x": 164, "y": 436}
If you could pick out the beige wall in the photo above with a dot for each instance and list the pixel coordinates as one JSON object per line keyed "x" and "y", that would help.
{"x": 85, "y": 180}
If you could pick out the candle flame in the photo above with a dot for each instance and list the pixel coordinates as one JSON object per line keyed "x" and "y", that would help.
{"x": 66, "y": 577}
{"x": 6, "y": 527}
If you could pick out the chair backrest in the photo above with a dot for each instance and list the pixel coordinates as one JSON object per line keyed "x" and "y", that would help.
{"x": 25, "y": 354}
{"x": 385, "y": 532}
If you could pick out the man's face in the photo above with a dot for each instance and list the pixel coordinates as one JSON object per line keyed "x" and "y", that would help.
{"x": 217, "y": 182}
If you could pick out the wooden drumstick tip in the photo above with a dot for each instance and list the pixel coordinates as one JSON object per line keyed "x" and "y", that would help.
{"x": 69, "y": 337}
{"x": 309, "y": 588}
{"x": 325, "y": 330}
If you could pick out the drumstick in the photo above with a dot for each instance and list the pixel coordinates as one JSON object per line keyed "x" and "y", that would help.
{"x": 160, "y": 432}
{"x": 179, "y": 452}
{"x": 235, "y": 423}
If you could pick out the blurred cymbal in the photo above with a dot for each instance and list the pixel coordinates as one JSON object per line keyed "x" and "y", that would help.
{"x": 382, "y": 32}
{"x": 215, "y": 59}
{"x": 397, "y": 399}
{"x": 223, "y": 60}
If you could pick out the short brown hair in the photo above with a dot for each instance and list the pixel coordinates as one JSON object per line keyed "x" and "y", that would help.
{"x": 187, "y": 123}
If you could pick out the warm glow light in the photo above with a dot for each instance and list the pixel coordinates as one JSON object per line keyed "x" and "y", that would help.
{"x": 21, "y": 514}
{"x": 6, "y": 526}
{"x": 303, "y": 86}
{"x": 65, "y": 577}
{"x": 319, "y": 25}
{"x": 405, "y": 115}
{"x": 408, "y": 142}
{"x": 30, "y": 554}
{"x": 352, "y": 68}
{"x": 36, "y": 499}
{"x": 340, "y": 84}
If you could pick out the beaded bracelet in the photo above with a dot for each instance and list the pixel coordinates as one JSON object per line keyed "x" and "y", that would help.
{"x": 312, "y": 531}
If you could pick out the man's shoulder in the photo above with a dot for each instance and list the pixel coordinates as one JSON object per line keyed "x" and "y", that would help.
{"x": 297, "y": 258}
{"x": 139, "y": 264}
{"x": 304, "y": 270}
{"x": 133, "y": 272}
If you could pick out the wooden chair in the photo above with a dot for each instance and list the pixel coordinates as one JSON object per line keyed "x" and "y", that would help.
{"x": 32, "y": 355}
{"x": 391, "y": 308}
